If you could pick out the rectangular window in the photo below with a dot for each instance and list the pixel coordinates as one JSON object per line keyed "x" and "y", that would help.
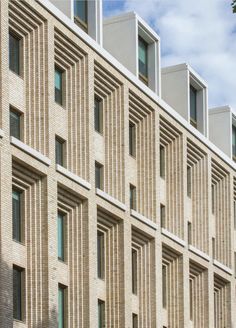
{"x": 132, "y": 139}
{"x": 62, "y": 306}
{"x": 81, "y": 13}
{"x": 98, "y": 115}
{"x": 16, "y": 215}
{"x": 60, "y": 144}
{"x": 213, "y": 248}
{"x": 234, "y": 215}
{"x": 100, "y": 255}
{"x": 58, "y": 86}
{"x": 143, "y": 60}
{"x": 162, "y": 162}
{"x": 164, "y": 286}
{"x": 189, "y": 233}
{"x": 163, "y": 215}
{"x": 132, "y": 197}
{"x": 135, "y": 320}
{"x": 189, "y": 182}
{"x": 18, "y": 293}
{"x": 193, "y": 106}
{"x": 101, "y": 314}
{"x": 15, "y": 124}
{"x": 14, "y": 54}
{"x": 61, "y": 236}
{"x": 98, "y": 175}
{"x": 234, "y": 142}
{"x": 213, "y": 199}
{"x": 191, "y": 298}
{"x": 134, "y": 271}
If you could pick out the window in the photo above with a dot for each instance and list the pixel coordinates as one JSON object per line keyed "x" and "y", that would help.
{"x": 98, "y": 115}
{"x": 132, "y": 139}
{"x": 58, "y": 86}
{"x": 143, "y": 60}
{"x": 164, "y": 286}
{"x": 132, "y": 197}
{"x": 193, "y": 106}
{"x": 18, "y": 293}
{"x": 213, "y": 247}
{"x": 15, "y": 124}
{"x": 234, "y": 142}
{"x": 101, "y": 314}
{"x": 62, "y": 306}
{"x": 191, "y": 298}
{"x": 135, "y": 320}
{"x": 16, "y": 215}
{"x": 189, "y": 182}
{"x": 98, "y": 175}
{"x": 61, "y": 236}
{"x": 163, "y": 215}
{"x": 189, "y": 233}
{"x": 213, "y": 199}
{"x": 60, "y": 145}
{"x": 14, "y": 54}
{"x": 81, "y": 13}
{"x": 100, "y": 255}
{"x": 134, "y": 271}
{"x": 234, "y": 214}
{"x": 162, "y": 162}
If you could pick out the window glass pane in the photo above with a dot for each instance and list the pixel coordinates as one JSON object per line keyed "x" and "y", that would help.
{"x": 98, "y": 115}
{"x": 134, "y": 271}
{"x": 61, "y": 307}
{"x": 100, "y": 255}
{"x": 14, "y": 54}
{"x": 59, "y": 152}
{"x": 163, "y": 216}
{"x": 135, "y": 320}
{"x": 142, "y": 55}
{"x": 164, "y": 286}
{"x": 16, "y": 215}
{"x": 132, "y": 139}
{"x": 234, "y": 141}
{"x": 17, "y": 293}
{"x": 189, "y": 182}
{"x": 132, "y": 197}
{"x": 15, "y": 124}
{"x": 80, "y": 8}
{"x": 191, "y": 298}
{"x": 162, "y": 162}
{"x": 101, "y": 314}
{"x": 61, "y": 236}
{"x": 193, "y": 104}
{"x": 58, "y": 86}
{"x": 98, "y": 176}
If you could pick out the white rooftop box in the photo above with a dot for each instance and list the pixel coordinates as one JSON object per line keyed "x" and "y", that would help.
{"x": 133, "y": 43}
{"x": 87, "y": 14}
{"x": 222, "y": 129}
{"x": 185, "y": 91}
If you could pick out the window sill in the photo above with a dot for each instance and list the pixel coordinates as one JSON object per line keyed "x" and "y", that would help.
{"x": 27, "y": 149}
{"x": 110, "y": 199}
{"x": 143, "y": 219}
{"x": 199, "y": 253}
{"x": 170, "y": 235}
{"x": 222, "y": 267}
{"x": 73, "y": 176}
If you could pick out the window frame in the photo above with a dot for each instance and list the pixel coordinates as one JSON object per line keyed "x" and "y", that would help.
{"x": 101, "y": 273}
{"x": 63, "y": 289}
{"x": 99, "y": 176}
{"x": 60, "y": 70}
{"x": 63, "y": 218}
{"x": 78, "y": 20}
{"x": 162, "y": 159}
{"x": 101, "y": 313}
{"x": 164, "y": 285}
{"x": 142, "y": 77}
{"x": 132, "y": 139}
{"x": 19, "y": 38}
{"x": 98, "y": 115}
{"x": 193, "y": 120}
{"x": 134, "y": 266}
{"x": 21, "y": 223}
{"x": 21, "y": 290}
{"x": 133, "y": 201}
{"x": 14, "y": 112}
{"x": 62, "y": 143}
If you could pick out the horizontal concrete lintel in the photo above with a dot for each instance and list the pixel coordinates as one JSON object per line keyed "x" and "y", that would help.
{"x": 199, "y": 253}
{"x": 110, "y": 199}
{"x": 31, "y": 151}
{"x": 73, "y": 177}
{"x": 222, "y": 267}
{"x": 173, "y": 237}
{"x": 143, "y": 219}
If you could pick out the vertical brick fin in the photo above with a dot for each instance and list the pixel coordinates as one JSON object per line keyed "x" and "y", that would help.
{"x": 111, "y": 91}
{"x": 76, "y": 214}
{"x": 172, "y": 140}
{"x": 221, "y": 185}
{"x": 197, "y": 162}
{"x": 222, "y": 306}
{"x": 146, "y": 290}
{"x": 33, "y": 30}
{"x": 74, "y": 62}
{"x": 144, "y": 119}
{"x": 36, "y": 241}
{"x": 114, "y": 281}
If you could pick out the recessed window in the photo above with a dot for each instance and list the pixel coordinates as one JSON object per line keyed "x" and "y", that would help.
{"x": 134, "y": 271}
{"x": 101, "y": 314}
{"x": 17, "y": 215}
{"x": 58, "y": 86}
{"x": 81, "y": 13}
{"x": 193, "y": 106}
{"x": 213, "y": 247}
{"x": 164, "y": 286}
{"x": 234, "y": 142}
{"x": 132, "y": 139}
{"x": 135, "y": 320}
{"x": 132, "y": 192}
{"x": 189, "y": 182}
{"x": 98, "y": 175}
{"x": 213, "y": 199}
{"x": 18, "y": 293}
{"x": 163, "y": 215}
{"x": 189, "y": 233}
{"x": 98, "y": 115}
{"x": 60, "y": 149}
{"x": 15, "y": 124}
{"x": 100, "y": 255}
{"x": 143, "y": 59}
{"x": 162, "y": 162}
{"x": 14, "y": 53}
{"x": 62, "y": 306}
{"x": 61, "y": 236}
{"x": 191, "y": 298}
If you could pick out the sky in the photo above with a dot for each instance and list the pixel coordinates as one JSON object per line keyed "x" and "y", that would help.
{"x": 201, "y": 33}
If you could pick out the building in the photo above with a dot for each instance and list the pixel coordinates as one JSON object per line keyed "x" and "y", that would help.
{"x": 116, "y": 208}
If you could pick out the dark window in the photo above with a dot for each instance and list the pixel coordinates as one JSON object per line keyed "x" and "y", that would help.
{"x": 191, "y": 298}
{"x": 98, "y": 115}
{"x": 17, "y": 215}
{"x": 62, "y": 306}
{"x": 193, "y": 106}
{"x": 61, "y": 236}
{"x": 164, "y": 286}
{"x": 135, "y": 320}
{"x": 60, "y": 144}
{"x": 134, "y": 271}
{"x": 213, "y": 199}
{"x": 100, "y": 255}
{"x": 14, "y": 54}
{"x": 17, "y": 293}
{"x": 163, "y": 216}
{"x": 81, "y": 13}
{"x": 143, "y": 59}
{"x": 132, "y": 139}
{"x": 132, "y": 197}
{"x": 213, "y": 248}
{"x": 189, "y": 233}
{"x": 162, "y": 162}
{"x": 15, "y": 124}
{"x": 189, "y": 182}
{"x": 98, "y": 175}
{"x": 101, "y": 314}
{"x": 58, "y": 86}
{"x": 234, "y": 142}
